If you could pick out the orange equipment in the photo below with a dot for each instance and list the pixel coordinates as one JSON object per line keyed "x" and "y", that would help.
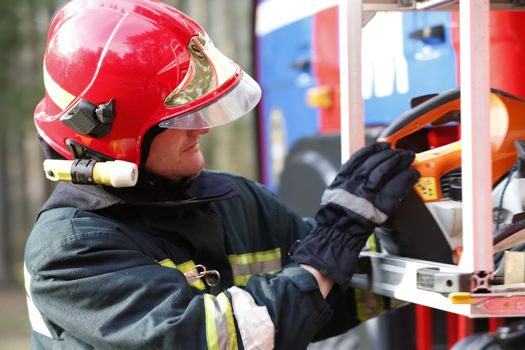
{"x": 438, "y": 165}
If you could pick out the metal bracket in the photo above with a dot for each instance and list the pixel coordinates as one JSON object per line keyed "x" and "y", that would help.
{"x": 441, "y": 286}
{"x": 434, "y": 280}
{"x": 440, "y": 5}
{"x": 480, "y": 281}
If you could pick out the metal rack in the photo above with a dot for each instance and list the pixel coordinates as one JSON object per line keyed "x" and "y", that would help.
{"x": 405, "y": 278}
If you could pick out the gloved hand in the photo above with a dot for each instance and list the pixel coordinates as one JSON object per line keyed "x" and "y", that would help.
{"x": 365, "y": 192}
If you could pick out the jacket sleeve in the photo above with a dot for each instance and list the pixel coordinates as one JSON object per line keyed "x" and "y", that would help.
{"x": 292, "y": 298}
{"x": 336, "y": 314}
{"x": 89, "y": 284}
{"x": 95, "y": 286}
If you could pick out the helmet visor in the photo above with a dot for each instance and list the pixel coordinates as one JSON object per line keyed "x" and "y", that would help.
{"x": 235, "y": 104}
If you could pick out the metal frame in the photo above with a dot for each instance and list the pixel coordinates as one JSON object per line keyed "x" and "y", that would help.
{"x": 476, "y": 164}
{"x": 397, "y": 277}
{"x": 352, "y": 115}
{"x": 444, "y": 5}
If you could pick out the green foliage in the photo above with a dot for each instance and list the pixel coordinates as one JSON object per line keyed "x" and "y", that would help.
{"x": 9, "y": 38}
{"x": 23, "y": 27}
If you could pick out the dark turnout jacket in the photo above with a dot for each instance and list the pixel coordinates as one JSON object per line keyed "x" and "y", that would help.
{"x": 117, "y": 269}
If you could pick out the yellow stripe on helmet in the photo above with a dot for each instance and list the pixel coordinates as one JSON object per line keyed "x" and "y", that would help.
{"x": 58, "y": 94}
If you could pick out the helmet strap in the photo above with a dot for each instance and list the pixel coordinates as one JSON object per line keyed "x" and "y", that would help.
{"x": 80, "y": 151}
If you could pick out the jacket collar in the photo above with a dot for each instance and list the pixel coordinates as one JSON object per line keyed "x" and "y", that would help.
{"x": 151, "y": 191}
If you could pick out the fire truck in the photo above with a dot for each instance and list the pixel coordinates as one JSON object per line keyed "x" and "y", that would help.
{"x": 338, "y": 74}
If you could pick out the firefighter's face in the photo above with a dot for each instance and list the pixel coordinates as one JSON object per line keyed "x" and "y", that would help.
{"x": 175, "y": 154}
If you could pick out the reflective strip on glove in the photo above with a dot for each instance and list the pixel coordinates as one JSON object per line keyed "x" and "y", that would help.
{"x": 354, "y": 203}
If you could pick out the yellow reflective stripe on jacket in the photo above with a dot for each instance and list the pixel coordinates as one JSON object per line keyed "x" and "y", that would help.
{"x": 220, "y": 326}
{"x": 372, "y": 243}
{"x": 243, "y": 280}
{"x": 184, "y": 267}
{"x": 255, "y": 257}
{"x": 168, "y": 263}
{"x": 225, "y": 304}
{"x": 244, "y": 265}
{"x": 369, "y": 304}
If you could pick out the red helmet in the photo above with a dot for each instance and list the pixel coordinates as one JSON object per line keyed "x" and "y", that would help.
{"x": 113, "y": 69}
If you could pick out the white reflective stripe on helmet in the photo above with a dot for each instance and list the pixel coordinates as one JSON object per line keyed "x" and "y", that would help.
{"x": 35, "y": 317}
{"x": 235, "y": 104}
{"x": 254, "y": 322}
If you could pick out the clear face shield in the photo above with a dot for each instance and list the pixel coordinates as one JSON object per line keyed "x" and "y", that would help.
{"x": 209, "y": 73}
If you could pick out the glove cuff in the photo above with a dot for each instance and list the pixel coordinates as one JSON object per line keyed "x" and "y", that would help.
{"x": 331, "y": 252}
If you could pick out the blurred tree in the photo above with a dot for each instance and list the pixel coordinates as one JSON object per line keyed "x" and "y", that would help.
{"x": 23, "y": 26}
{"x": 229, "y": 24}
{"x": 8, "y": 40}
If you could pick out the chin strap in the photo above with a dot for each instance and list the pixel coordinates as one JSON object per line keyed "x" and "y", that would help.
{"x": 116, "y": 173}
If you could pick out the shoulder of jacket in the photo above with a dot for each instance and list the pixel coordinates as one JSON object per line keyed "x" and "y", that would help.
{"x": 65, "y": 223}
{"x": 65, "y": 214}
{"x": 60, "y": 230}
{"x": 240, "y": 181}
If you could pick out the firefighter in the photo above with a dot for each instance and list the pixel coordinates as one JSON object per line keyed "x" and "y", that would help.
{"x": 186, "y": 258}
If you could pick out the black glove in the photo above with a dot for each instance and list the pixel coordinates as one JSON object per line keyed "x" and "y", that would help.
{"x": 363, "y": 195}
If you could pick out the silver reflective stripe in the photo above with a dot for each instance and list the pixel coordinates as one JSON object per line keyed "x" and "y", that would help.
{"x": 354, "y": 203}
{"x": 256, "y": 267}
{"x": 35, "y": 317}
{"x": 220, "y": 325}
{"x": 254, "y": 322}
{"x": 244, "y": 265}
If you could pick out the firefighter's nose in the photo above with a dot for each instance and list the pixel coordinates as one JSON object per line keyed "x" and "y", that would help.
{"x": 197, "y": 132}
